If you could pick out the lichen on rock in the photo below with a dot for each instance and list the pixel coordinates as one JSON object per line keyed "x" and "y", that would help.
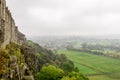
{"x": 14, "y": 64}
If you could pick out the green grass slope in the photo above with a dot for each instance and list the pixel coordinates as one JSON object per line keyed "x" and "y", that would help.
{"x": 95, "y": 66}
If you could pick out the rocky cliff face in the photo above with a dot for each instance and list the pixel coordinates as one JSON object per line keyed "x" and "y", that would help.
{"x": 8, "y": 30}
{"x": 13, "y": 65}
{"x": 12, "y": 60}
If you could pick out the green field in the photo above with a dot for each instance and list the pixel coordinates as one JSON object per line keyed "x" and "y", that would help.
{"x": 97, "y": 67}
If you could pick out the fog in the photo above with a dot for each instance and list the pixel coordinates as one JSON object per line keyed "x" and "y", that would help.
{"x": 66, "y": 17}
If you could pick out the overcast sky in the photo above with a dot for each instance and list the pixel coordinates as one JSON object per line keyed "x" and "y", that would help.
{"x": 66, "y": 17}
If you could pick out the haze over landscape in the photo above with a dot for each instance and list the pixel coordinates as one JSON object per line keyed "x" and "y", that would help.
{"x": 66, "y": 17}
{"x": 59, "y": 40}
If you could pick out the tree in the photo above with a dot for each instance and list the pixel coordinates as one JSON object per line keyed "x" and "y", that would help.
{"x": 68, "y": 66}
{"x": 49, "y": 73}
{"x": 68, "y": 78}
{"x": 75, "y": 76}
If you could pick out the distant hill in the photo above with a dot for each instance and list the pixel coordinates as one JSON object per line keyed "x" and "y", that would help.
{"x": 38, "y": 38}
{"x": 113, "y": 36}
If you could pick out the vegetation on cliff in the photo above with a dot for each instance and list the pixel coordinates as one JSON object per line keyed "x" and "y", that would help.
{"x": 54, "y": 73}
{"x": 23, "y": 62}
{"x": 51, "y": 66}
{"x": 13, "y": 65}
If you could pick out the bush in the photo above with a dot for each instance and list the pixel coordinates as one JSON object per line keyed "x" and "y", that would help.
{"x": 49, "y": 73}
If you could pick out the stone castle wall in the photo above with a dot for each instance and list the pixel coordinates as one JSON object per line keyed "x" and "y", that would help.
{"x": 8, "y": 30}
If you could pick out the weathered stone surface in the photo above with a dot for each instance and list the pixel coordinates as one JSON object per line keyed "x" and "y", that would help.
{"x": 8, "y": 30}
{"x": 9, "y": 33}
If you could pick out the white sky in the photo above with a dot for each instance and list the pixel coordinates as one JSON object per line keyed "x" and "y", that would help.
{"x": 66, "y": 17}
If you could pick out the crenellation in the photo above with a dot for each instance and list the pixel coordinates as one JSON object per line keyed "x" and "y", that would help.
{"x": 8, "y": 30}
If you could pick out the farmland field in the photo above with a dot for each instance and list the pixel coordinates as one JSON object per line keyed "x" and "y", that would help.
{"x": 96, "y": 67}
